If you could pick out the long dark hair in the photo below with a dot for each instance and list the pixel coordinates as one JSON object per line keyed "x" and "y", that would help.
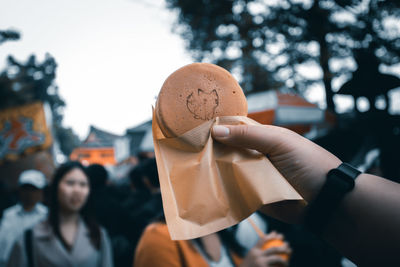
{"x": 54, "y": 207}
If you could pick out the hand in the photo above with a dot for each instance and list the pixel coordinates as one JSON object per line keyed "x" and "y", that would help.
{"x": 303, "y": 163}
{"x": 257, "y": 257}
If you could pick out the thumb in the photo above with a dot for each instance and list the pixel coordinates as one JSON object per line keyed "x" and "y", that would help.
{"x": 263, "y": 138}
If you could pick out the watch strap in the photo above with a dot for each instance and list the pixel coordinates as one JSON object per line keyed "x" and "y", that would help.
{"x": 338, "y": 183}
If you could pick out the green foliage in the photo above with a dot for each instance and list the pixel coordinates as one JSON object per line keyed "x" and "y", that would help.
{"x": 26, "y": 82}
{"x": 265, "y": 42}
{"x": 31, "y": 81}
{"x": 67, "y": 138}
{"x": 9, "y": 35}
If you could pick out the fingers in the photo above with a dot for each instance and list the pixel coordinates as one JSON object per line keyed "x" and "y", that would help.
{"x": 272, "y": 235}
{"x": 259, "y": 137}
{"x": 266, "y": 261}
{"x": 275, "y": 261}
{"x": 273, "y": 256}
{"x": 267, "y": 237}
{"x": 280, "y": 249}
{"x": 260, "y": 242}
{"x": 284, "y": 249}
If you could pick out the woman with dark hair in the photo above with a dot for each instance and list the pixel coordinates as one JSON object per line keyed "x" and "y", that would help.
{"x": 69, "y": 237}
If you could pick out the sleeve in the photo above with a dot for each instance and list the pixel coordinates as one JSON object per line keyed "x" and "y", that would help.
{"x": 156, "y": 248}
{"x": 18, "y": 256}
{"x": 106, "y": 250}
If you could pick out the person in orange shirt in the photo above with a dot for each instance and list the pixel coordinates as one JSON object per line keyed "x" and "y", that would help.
{"x": 156, "y": 248}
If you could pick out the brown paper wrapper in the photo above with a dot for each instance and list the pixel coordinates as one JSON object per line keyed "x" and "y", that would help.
{"x": 207, "y": 186}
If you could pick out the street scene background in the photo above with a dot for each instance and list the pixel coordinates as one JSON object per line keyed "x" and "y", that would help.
{"x": 78, "y": 82}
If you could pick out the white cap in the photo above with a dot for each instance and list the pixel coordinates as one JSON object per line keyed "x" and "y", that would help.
{"x": 32, "y": 177}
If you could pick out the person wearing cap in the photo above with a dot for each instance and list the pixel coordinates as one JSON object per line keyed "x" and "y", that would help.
{"x": 25, "y": 214}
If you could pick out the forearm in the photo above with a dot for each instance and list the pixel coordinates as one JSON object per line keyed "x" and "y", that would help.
{"x": 366, "y": 225}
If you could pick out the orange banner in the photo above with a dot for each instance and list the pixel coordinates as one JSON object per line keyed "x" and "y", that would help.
{"x": 23, "y": 130}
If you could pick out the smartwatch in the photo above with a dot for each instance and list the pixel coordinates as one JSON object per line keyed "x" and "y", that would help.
{"x": 338, "y": 183}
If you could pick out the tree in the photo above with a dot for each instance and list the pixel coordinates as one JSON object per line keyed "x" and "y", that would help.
{"x": 266, "y": 42}
{"x": 9, "y": 35}
{"x": 23, "y": 83}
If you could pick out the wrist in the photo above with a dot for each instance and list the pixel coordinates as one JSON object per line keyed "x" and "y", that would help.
{"x": 338, "y": 182}
{"x": 318, "y": 178}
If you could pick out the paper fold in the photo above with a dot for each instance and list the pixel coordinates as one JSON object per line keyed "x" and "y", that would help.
{"x": 207, "y": 186}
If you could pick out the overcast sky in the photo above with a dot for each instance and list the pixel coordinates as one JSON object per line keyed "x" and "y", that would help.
{"x": 112, "y": 56}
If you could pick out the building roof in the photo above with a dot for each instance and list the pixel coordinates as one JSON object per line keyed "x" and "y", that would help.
{"x": 99, "y": 138}
{"x": 140, "y": 128}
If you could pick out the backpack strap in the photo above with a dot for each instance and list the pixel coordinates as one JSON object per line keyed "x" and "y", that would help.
{"x": 28, "y": 246}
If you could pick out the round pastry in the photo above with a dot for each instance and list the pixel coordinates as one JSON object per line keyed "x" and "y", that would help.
{"x": 195, "y": 94}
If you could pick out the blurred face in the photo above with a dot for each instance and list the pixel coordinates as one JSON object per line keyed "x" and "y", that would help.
{"x": 29, "y": 196}
{"x": 73, "y": 191}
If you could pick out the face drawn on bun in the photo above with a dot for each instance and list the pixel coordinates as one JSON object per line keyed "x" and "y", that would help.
{"x": 197, "y": 93}
{"x": 203, "y": 105}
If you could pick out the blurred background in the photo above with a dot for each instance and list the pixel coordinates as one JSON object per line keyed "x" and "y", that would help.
{"x": 78, "y": 78}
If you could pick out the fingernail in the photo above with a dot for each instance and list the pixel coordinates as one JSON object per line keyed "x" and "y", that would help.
{"x": 220, "y": 131}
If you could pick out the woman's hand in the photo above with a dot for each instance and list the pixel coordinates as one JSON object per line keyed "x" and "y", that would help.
{"x": 303, "y": 163}
{"x": 257, "y": 257}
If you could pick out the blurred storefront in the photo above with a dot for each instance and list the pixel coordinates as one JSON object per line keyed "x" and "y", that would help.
{"x": 101, "y": 147}
{"x": 291, "y": 111}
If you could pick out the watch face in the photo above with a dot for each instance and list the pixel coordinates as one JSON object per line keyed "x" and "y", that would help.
{"x": 349, "y": 170}
{"x": 340, "y": 181}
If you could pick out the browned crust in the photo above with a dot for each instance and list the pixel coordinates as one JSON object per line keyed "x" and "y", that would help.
{"x": 197, "y": 93}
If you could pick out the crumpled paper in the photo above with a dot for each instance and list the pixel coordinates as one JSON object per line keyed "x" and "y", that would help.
{"x": 207, "y": 186}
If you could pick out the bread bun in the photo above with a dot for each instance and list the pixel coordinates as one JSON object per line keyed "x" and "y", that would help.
{"x": 195, "y": 94}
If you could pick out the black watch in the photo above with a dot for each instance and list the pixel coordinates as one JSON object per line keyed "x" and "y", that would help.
{"x": 339, "y": 182}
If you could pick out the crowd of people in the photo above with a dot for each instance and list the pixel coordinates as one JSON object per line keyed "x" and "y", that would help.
{"x": 81, "y": 219}
{"x": 90, "y": 222}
